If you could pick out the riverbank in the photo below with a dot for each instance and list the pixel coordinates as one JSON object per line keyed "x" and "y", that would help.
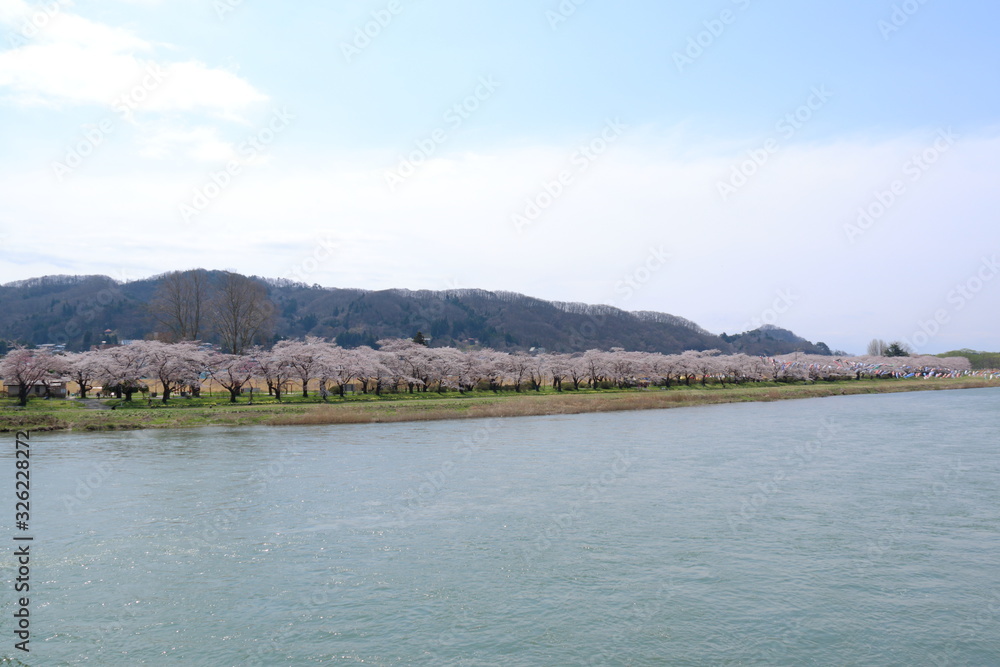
{"x": 215, "y": 411}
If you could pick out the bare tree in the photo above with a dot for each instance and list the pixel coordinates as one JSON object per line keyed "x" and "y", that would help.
{"x": 242, "y": 312}
{"x": 877, "y": 347}
{"x": 180, "y": 304}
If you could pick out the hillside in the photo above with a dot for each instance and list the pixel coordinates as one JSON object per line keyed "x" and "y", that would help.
{"x": 76, "y": 310}
{"x": 979, "y": 360}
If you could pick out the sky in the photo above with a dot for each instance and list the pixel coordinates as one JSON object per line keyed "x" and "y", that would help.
{"x": 830, "y": 168}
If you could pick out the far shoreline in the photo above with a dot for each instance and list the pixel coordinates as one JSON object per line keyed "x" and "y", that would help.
{"x": 65, "y": 416}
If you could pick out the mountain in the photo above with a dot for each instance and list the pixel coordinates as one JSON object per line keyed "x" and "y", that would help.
{"x": 769, "y": 337}
{"x": 77, "y": 310}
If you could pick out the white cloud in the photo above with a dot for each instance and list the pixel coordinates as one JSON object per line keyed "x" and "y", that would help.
{"x": 62, "y": 59}
{"x": 161, "y": 140}
{"x": 193, "y": 86}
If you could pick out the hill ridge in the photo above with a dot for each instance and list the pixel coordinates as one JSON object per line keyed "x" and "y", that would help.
{"x": 77, "y": 309}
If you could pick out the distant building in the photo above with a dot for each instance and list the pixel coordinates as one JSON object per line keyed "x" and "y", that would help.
{"x": 53, "y": 388}
{"x": 109, "y": 339}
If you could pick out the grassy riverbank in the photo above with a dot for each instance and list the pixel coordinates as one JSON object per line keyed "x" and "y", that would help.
{"x": 41, "y": 415}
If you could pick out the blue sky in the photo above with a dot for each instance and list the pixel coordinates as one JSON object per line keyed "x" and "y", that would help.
{"x": 830, "y": 168}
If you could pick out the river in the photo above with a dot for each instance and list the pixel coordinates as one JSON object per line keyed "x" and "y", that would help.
{"x": 856, "y": 530}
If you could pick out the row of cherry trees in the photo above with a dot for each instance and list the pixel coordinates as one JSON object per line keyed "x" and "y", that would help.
{"x": 403, "y": 365}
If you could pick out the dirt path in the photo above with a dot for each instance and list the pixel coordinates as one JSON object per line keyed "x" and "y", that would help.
{"x": 92, "y": 404}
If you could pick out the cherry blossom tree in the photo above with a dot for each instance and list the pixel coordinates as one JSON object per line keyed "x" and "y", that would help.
{"x": 122, "y": 368}
{"x": 657, "y": 369}
{"x": 174, "y": 366}
{"x": 396, "y": 364}
{"x": 304, "y": 357}
{"x": 340, "y": 366}
{"x": 621, "y": 366}
{"x": 493, "y": 366}
{"x": 704, "y": 364}
{"x": 232, "y": 371}
{"x": 274, "y": 367}
{"x": 558, "y": 366}
{"x": 467, "y": 369}
{"x": 594, "y": 363}
{"x": 26, "y": 368}
{"x": 437, "y": 369}
{"x": 417, "y": 361}
{"x": 516, "y": 366}
{"x": 372, "y": 373}
{"x": 577, "y": 367}
{"x": 538, "y": 370}
{"x": 83, "y": 368}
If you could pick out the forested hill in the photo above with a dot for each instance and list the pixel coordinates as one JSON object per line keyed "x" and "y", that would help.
{"x": 77, "y": 310}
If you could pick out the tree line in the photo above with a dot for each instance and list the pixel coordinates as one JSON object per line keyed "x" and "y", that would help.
{"x": 405, "y": 365}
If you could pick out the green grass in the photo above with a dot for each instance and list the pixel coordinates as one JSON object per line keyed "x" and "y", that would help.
{"x": 215, "y": 409}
